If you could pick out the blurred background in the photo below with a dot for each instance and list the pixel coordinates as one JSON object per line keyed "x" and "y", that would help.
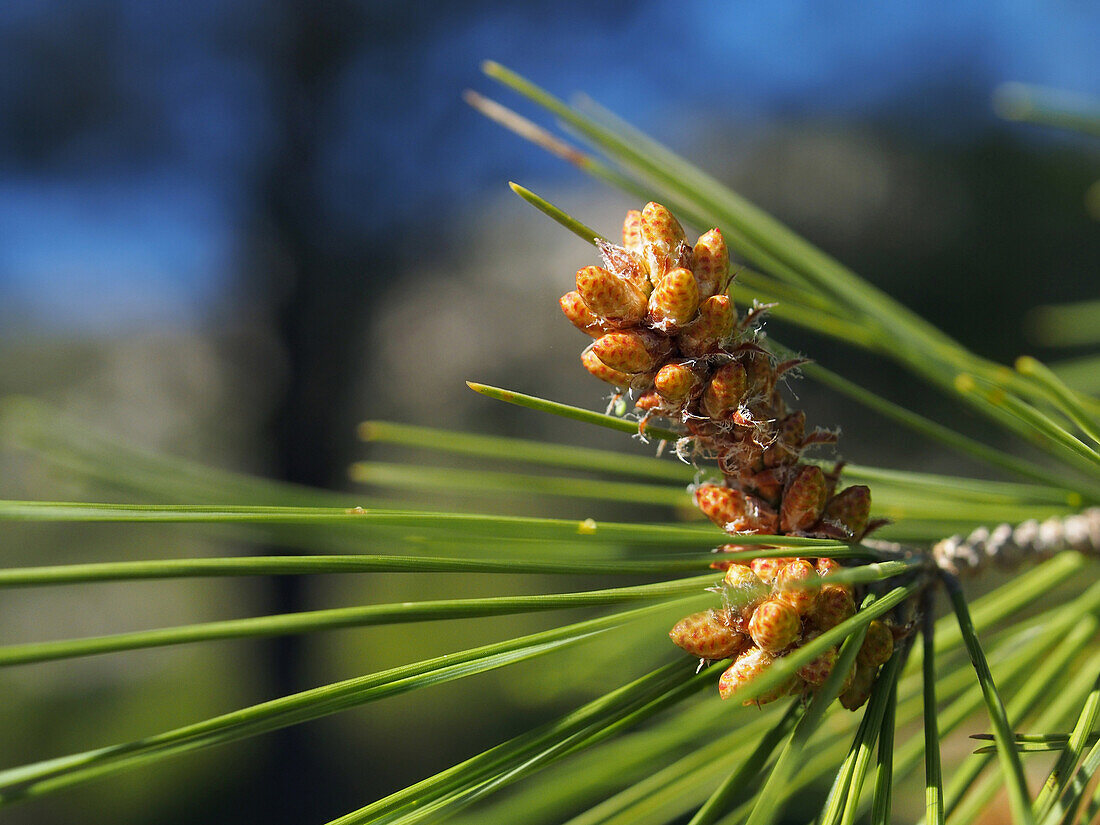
{"x": 232, "y": 230}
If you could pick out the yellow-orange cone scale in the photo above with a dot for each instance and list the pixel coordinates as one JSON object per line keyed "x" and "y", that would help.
{"x": 632, "y": 232}
{"x": 612, "y": 298}
{"x": 674, "y": 300}
{"x": 748, "y": 666}
{"x": 725, "y": 390}
{"x": 661, "y": 234}
{"x": 629, "y": 351}
{"x": 834, "y": 604}
{"x": 774, "y": 625}
{"x": 878, "y": 645}
{"x": 816, "y": 671}
{"x": 768, "y": 569}
{"x": 708, "y": 635}
{"x": 583, "y": 318}
{"x": 803, "y": 500}
{"x": 791, "y": 583}
{"x": 675, "y": 382}
{"x": 711, "y": 328}
{"x": 600, "y": 370}
{"x": 711, "y": 263}
{"x": 851, "y": 509}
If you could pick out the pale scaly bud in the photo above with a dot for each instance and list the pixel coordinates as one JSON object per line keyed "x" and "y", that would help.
{"x": 631, "y": 351}
{"x": 674, "y": 300}
{"x": 734, "y": 511}
{"x": 833, "y": 605}
{"x": 857, "y": 693}
{"x": 632, "y": 232}
{"x": 711, "y": 328}
{"x": 605, "y": 373}
{"x": 725, "y": 390}
{"x": 584, "y": 319}
{"x": 749, "y": 665}
{"x": 612, "y": 298}
{"x": 792, "y": 581}
{"x": 878, "y": 645}
{"x": 850, "y": 509}
{"x": 768, "y": 569}
{"x": 708, "y": 635}
{"x": 803, "y": 500}
{"x": 675, "y": 382}
{"x": 774, "y": 625}
{"x": 711, "y": 263}
{"x": 661, "y": 235}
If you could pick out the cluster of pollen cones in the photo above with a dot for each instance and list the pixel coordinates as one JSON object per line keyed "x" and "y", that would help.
{"x": 666, "y": 331}
{"x": 771, "y": 607}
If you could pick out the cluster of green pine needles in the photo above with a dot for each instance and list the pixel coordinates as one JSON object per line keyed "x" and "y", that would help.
{"x": 1021, "y": 661}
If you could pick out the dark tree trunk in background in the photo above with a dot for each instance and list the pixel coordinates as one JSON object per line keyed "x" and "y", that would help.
{"x": 320, "y": 314}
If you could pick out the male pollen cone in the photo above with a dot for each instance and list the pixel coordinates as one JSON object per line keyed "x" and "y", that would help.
{"x": 666, "y": 329}
{"x": 708, "y": 635}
